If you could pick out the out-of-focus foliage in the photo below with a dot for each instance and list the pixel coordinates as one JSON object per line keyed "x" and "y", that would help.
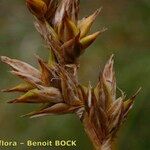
{"x": 128, "y": 38}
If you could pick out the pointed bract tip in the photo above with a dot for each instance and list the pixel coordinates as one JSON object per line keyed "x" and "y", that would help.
{"x": 137, "y": 92}
{"x": 4, "y": 90}
{"x": 12, "y": 101}
{"x": 38, "y": 115}
{"x": 22, "y": 116}
{"x": 4, "y": 58}
{"x": 27, "y": 115}
{"x": 36, "y": 56}
{"x": 112, "y": 57}
{"x": 33, "y": 114}
{"x": 104, "y": 29}
{"x": 111, "y": 60}
{"x": 99, "y": 10}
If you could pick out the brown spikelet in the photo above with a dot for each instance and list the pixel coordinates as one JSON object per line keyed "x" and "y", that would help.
{"x": 37, "y": 7}
{"x": 86, "y": 23}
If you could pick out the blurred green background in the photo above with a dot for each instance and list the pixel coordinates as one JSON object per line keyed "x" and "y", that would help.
{"x": 128, "y": 38}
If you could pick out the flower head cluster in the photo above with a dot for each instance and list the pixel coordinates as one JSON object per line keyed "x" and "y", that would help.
{"x": 55, "y": 84}
{"x": 58, "y": 24}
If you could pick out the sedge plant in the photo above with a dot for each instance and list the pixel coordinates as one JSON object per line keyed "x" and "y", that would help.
{"x": 55, "y": 84}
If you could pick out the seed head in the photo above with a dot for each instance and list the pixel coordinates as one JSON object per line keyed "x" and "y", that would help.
{"x": 55, "y": 83}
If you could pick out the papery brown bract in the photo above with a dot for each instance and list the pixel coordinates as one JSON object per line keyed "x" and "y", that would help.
{"x": 69, "y": 8}
{"x": 104, "y": 112}
{"x": 37, "y": 7}
{"x": 60, "y": 25}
